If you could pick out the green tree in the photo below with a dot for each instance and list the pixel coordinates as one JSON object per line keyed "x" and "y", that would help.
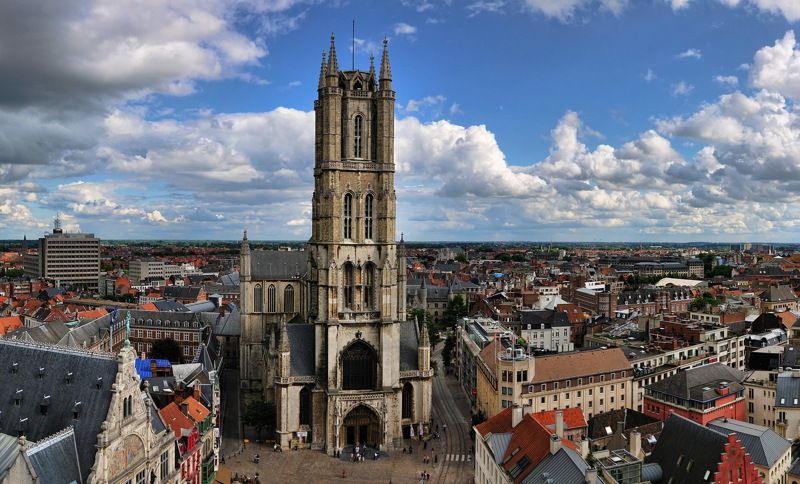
{"x": 447, "y": 351}
{"x": 455, "y": 310}
{"x": 166, "y": 349}
{"x": 260, "y": 415}
{"x": 504, "y": 257}
{"x": 462, "y": 258}
{"x": 699, "y": 303}
{"x": 14, "y": 272}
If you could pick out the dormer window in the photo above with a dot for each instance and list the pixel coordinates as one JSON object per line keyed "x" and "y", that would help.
{"x": 358, "y": 127}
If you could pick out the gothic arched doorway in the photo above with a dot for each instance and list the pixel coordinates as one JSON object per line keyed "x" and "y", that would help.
{"x": 361, "y": 427}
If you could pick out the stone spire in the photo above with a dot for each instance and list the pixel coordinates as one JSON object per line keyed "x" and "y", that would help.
{"x": 333, "y": 66}
{"x": 386, "y": 70}
{"x": 424, "y": 338}
{"x": 284, "y": 344}
{"x": 244, "y": 259}
{"x": 372, "y": 70}
{"x": 323, "y": 71}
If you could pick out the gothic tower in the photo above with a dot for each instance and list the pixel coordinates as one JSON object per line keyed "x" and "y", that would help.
{"x": 356, "y": 287}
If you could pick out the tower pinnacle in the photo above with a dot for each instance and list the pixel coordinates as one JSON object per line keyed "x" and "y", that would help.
{"x": 386, "y": 70}
{"x": 372, "y": 69}
{"x": 333, "y": 66}
{"x": 323, "y": 71}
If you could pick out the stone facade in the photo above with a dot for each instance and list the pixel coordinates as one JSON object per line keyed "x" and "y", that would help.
{"x": 369, "y": 377}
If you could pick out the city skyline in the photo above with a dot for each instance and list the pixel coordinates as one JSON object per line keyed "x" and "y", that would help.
{"x": 530, "y": 120}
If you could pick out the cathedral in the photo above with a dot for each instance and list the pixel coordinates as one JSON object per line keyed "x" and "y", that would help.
{"x": 324, "y": 330}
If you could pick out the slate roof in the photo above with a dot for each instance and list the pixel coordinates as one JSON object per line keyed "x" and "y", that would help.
{"x": 170, "y": 306}
{"x": 700, "y": 384}
{"x": 762, "y": 443}
{"x": 277, "y": 265}
{"x": 182, "y": 292}
{"x": 301, "y": 342}
{"x": 201, "y": 307}
{"x": 229, "y": 279}
{"x": 9, "y": 450}
{"x": 795, "y": 469}
{"x": 631, "y": 419}
{"x": 229, "y": 324}
{"x": 787, "y": 390}
{"x": 547, "y": 317}
{"x": 778, "y": 294}
{"x": 579, "y": 364}
{"x": 86, "y": 368}
{"x": 688, "y": 440}
{"x": 409, "y": 344}
{"x": 55, "y": 459}
{"x": 566, "y": 465}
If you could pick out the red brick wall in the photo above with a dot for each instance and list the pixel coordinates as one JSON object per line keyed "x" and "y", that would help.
{"x": 735, "y": 465}
{"x": 726, "y": 407}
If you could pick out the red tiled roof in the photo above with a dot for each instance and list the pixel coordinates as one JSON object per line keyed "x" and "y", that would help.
{"x": 175, "y": 419}
{"x": 529, "y": 438}
{"x": 196, "y": 410}
{"x": 573, "y": 418}
{"x": 9, "y": 323}
{"x": 92, "y": 314}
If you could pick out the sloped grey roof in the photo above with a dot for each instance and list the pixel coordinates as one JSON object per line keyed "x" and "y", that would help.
{"x": 700, "y": 383}
{"x": 9, "y": 450}
{"x": 690, "y": 441}
{"x": 778, "y": 293}
{"x": 229, "y": 279}
{"x": 301, "y": 343}
{"x": 498, "y": 443}
{"x": 795, "y": 470}
{"x": 155, "y": 419}
{"x": 652, "y": 472}
{"x": 86, "y": 368}
{"x": 229, "y": 324}
{"x": 170, "y": 306}
{"x": 182, "y": 292}
{"x": 763, "y": 444}
{"x": 408, "y": 346}
{"x": 56, "y": 459}
{"x": 787, "y": 390}
{"x": 277, "y": 265}
{"x": 563, "y": 466}
{"x": 201, "y": 306}
{"x": 550, "y": 318}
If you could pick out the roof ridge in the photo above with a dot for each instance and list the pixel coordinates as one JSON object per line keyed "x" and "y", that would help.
{"x": 46, "y": 442}
{"x": 101, "y": 355}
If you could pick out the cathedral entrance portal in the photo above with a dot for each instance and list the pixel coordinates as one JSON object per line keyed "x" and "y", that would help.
{"x": 361, "y": 427}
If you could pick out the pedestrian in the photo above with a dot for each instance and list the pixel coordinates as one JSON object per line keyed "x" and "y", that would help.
{"x": 425, "y": 445}
{"x": 444, "y": 427}
{"x": 343, "y": 474}
{"x": 435, "y": 459}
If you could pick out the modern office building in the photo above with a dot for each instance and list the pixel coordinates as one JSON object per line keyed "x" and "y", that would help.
{"x": 69, "y": 259}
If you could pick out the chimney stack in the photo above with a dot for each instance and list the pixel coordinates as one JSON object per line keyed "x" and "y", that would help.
{"x": 591, "y": 475}
{"x": 555, "y": 444}
{"x": 635, "y": 443}
{"x": 560, "y": 424}
{"x": 584, "y": 448}
{"x": 516, "y": 415}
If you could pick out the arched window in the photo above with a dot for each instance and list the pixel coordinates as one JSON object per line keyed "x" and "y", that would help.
{"x": 305, "y": 406}
{"x": 348, "y": 285}
{"x": 408, "y": 401}
{"x": 288, "y": 299}
{"x": 369, "y": 286}
{"x": 258, "y": 299}
{"x": 347, "y": 216}
{"x": 368, "y": 217}
{"x": 359, "y": 367}
{"x": 358, "y": 127}
{"x": 271, "y": 306}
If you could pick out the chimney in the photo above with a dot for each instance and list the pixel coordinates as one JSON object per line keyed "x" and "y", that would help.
{"x": 560, "y": 424}
{"x": 516, "y": 415}
{"x": 526, "y": 409}
{"x": 584, "y": 448}
{"x": 591, "y": 475}
{"x": 620, "y": 426}
{"x": 555, "y": 444}
{"x": 635, "y": 443}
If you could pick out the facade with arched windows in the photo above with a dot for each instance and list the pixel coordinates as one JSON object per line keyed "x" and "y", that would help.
{"x": 368, "y": 378}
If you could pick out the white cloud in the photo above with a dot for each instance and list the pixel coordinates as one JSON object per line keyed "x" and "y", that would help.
{"x": 790, "y": 9}
{"x": 485, "y": 6}
{"x": 681, "y": 88}
{"x": 565, "y": 10}
{"x": 691, "y": 53}
{"x": 678, "y": 4}
{"x": 403, "y": 28}
{"x": 777, "y": 67}
{"x": 650, "y": 76}
{"x": 727, "y": 80}
{"x": 416, "y": 105}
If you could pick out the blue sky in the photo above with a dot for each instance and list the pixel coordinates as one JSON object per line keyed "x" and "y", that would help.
{"x": 662, "y": 120}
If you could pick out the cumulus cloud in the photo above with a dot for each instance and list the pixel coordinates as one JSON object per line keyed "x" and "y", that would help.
{"x": 403, "y": 28}
{"x": 777, "y": 67}
{"x": 690, "y": 54}
{"x": 681, "y": 88}
{"x": 565, "y": 10}
{"x": 727, "y": 80}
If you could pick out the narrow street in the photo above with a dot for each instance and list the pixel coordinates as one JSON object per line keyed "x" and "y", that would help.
{"x": 451, "y": 407}
{"x": 231, "y": 431}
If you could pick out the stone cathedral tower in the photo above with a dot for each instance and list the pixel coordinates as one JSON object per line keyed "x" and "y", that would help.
{"x": 356, "y": 275}
{"x": 329, "y": 342}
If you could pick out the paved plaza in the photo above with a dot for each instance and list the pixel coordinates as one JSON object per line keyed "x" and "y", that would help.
{"x": 452, "y": 452}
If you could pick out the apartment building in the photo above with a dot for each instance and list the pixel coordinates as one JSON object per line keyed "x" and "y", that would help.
{"x": 69, "y": 259}
{"x": 596, "y": 381}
